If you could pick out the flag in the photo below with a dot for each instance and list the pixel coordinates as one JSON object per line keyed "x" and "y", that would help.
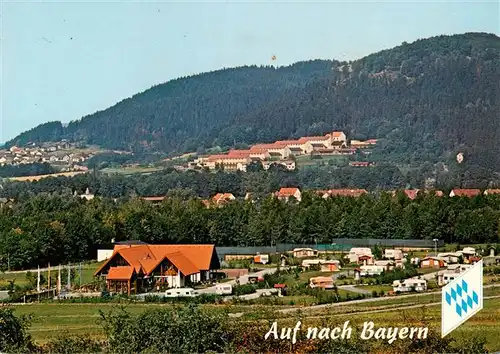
{"x": 462, "y": 298}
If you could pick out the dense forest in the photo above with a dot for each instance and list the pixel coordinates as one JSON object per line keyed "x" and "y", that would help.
{"x": 426, "y": 101}
{"x": 58, "y": 229}
{"x": 256, "y": 181}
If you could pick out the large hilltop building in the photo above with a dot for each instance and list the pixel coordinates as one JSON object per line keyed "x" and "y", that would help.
{"x": 282, "y": 150}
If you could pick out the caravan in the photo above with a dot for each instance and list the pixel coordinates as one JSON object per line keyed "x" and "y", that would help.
{"x": 223, "y": 289}
{"x": 180, "y": 292}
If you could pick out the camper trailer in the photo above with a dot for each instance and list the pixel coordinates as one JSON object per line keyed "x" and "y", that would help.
{"x": 180, "y": 292}
{"x": 261, "y": 258}
{"x": 223, "y": 289}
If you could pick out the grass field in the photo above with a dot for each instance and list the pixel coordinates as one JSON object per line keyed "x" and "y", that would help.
{"x": 88, "y": 270}
{"x": 306, "y": 161}
{"x": 51, "y": 319}
{"x": 131, "y": 170}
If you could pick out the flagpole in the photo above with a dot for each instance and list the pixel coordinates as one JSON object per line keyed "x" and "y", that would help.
{"x": 59, "y": 280}
{"x": 69, "y": 276}
{"x": 49, "y": 278}
{"x": 38, "y": 280}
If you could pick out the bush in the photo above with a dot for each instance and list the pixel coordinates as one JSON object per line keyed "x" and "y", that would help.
{"x": 15, "y": 337}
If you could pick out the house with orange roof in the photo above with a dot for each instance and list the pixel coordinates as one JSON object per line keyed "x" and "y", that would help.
{"x": 252, "y": 154}
{"x": 296, "y": 147}
{"x": 491, "y": 191}
{"x": 286, "y": 193}
{"x": 229, "y": 163}
{"x": 344, "y": 193}
{"x": 465, "y": 193}
{"x": 223, "y": 198}
{"x": 136, "y": 268}
{"x": 274, "y": 149}
{"x": 155, "y": 200}
{"x": 317, "y": 142}
{"x": 337, "y": 137}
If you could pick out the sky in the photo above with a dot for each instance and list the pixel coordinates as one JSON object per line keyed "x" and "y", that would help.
{"x": 64, "y": 60}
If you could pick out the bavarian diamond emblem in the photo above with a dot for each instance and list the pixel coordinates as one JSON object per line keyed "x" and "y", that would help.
{"x": 462, "y": 298}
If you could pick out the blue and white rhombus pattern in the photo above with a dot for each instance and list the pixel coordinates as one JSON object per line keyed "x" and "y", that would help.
{"x": 462, "y": 298}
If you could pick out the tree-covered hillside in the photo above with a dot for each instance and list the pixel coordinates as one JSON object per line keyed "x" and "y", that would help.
{"x": 426, "y": 101}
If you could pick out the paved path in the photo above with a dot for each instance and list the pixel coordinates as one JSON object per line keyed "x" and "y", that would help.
{"x": 243, "y": 280}
{"x": 354, "y": 289}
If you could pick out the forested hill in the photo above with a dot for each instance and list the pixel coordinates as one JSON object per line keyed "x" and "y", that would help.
{"x": 426, "y": 101}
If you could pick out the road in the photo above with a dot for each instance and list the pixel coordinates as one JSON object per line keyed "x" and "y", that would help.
{"x": 354, "y": 289}
{"x": 243, "y": 280}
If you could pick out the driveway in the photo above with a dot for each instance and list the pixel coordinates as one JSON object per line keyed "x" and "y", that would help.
{"x": 243, "y": 280}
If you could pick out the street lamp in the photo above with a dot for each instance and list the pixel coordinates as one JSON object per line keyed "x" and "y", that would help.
{"x": 435, "y": 245}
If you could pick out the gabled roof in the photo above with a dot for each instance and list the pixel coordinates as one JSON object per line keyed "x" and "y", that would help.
{"x": 146, "y": 258}
{"x": 314, "y": 138}
{"x": 153, "y": 199}
{"x": 283, "y": 192}
{"x": 347, "y": 192}
{"x": 492, "y": 191}
{"x": 466, "y": 192}
{"x": 288, "y": 142}
{"x": 182, "y": 263}
{"x": 120, "y": 273}
{"x": 336, "y": 134}
{"x": 221, "y": 197}
{"x": 267, "y": 146}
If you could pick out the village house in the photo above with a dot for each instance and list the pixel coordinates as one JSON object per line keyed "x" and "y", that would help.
{"x": 322, "y": 282}
{"x": 432, "y": 262}
{"x": 412, "y": 284}
{"x": 154, "y": 200}
{"x": 279, "y": 150}
{"x": 450, "y": 257}
{"x": 452, "y": 271}
{"x": 491, "y": 191}
{"x": 295, "y": 146}
{"x": 365, "y": 259}
{"x": 324, "y": 265}
{"x": 304, "y": 252}
{"x": 141, "y": 268}
{"x": 228, "y": 163}
{"x": 393, "y": 254}
{"x": 387, "y": 264}
{"x": 223, "y": 198}
{"x": 357, "y": 252}
{"x": 317, "y": 142}
{"x": 344, "y": 193}
{"x": 338, "y": 137}
{"x": 465, "y": 193}
{"x": 287, "y": 193}
{"x": 370, "y": 270}
{"x": 87, "y": 195}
